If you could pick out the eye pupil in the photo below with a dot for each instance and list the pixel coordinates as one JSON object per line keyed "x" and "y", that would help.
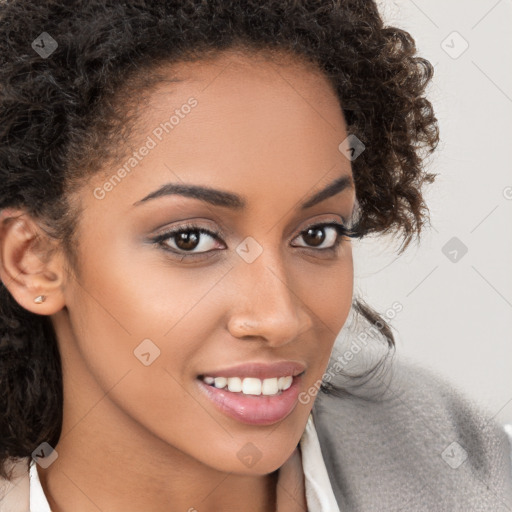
{"x": 317, "y": 238}
{"x": 188, "y": 237}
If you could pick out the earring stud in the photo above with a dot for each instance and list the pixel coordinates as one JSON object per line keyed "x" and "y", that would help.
{"x": 39, "y": 299}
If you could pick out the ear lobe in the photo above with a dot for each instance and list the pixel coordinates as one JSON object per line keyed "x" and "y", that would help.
{"x": 30, "y": 265}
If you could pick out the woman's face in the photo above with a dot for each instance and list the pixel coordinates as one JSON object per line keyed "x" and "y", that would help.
{"x": 145, "y": 320}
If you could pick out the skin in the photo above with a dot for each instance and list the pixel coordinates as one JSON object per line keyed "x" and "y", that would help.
{"x": 141, "y": 437}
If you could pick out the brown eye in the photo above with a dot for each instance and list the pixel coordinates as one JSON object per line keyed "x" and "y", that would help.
{"x": 188, "y": 240}
{"x": 314, "y": 236}
{"x": 329, "y": 234}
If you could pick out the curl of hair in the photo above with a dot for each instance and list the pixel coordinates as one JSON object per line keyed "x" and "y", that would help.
{"x": 67, "y": 115}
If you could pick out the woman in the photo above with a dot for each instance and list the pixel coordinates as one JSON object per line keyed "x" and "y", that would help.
{"x": 180, "y": 185}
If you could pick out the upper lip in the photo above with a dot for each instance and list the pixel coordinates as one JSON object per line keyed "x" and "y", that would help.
{"x": 259, "y": 370}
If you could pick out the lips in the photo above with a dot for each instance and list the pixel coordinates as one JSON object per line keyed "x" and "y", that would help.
{"x": 255, "y": 408}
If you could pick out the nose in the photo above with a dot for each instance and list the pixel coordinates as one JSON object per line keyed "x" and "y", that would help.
{"x": 266, "y": 305}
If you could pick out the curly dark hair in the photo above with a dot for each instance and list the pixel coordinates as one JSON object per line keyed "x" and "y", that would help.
{"x": 65, "y": 116}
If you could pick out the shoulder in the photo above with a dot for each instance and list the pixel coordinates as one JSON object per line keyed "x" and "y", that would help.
{"x": 408, "y": 438}
{"x": 15, "y": 491}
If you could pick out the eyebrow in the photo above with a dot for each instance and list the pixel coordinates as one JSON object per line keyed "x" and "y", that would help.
{"x": 233, "y": 201}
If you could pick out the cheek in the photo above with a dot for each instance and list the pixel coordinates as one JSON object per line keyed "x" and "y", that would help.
{"x": 166, "y": 322}
{"x": 329, "y": 302}
{"x": 327, "y": 292}
{"x": 143, "y": 316}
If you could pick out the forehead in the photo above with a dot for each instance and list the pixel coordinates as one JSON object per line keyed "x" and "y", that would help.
{"x": 246, "y": 104}
{"x": 248, "y": 81}
{"x": 256, "y": 124}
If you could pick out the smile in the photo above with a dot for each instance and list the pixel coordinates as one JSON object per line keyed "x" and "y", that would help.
{"x": 252, "y": 400}
{"x": 250, "y": 385}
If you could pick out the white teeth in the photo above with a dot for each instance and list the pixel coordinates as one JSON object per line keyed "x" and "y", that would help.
{"x": 251, "y": 385}
{"x": 234, "y": 384}
{"x": 285, "y": 382}
{"x": 269, "y": 386}
{"x": 220, "y": 382}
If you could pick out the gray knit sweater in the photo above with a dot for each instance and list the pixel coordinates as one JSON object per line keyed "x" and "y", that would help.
{"x": 408, "y": 440}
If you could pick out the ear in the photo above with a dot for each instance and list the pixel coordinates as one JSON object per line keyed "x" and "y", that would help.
{"x": 30, "y": 263}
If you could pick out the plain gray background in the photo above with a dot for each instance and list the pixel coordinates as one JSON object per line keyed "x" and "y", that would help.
{"x": 457, "y": 308}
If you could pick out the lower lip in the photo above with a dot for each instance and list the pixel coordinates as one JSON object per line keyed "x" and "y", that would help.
{"x": 254, "y": 409}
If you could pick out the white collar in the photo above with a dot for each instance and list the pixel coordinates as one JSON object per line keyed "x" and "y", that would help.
{"x": 319, "y": 494}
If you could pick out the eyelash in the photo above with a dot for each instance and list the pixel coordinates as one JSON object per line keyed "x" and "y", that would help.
{"x": 341, "y": 231}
